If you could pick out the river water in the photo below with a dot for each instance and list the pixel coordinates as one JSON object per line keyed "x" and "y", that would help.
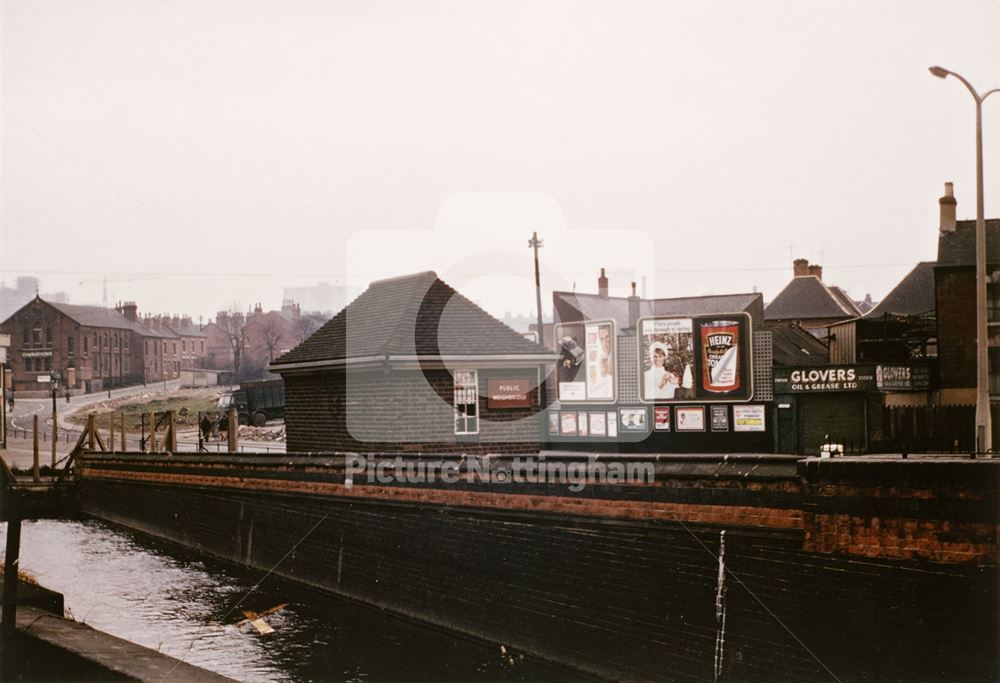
{"x": 170, "y": 600}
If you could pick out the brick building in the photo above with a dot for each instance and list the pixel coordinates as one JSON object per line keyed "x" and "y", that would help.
{"x": 92, "y": 348}
{"x": 412, "y": 365}
{"x": 955, "y": 295}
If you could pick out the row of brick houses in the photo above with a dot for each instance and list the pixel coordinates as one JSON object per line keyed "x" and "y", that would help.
{"x": 91, "y": 347}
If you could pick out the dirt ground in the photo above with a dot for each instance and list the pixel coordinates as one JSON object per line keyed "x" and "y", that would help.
{"x": 186, "y": 402}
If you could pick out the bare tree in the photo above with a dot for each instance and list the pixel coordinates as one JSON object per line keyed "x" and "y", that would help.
{"x": 308, "y": 323}
{"x": 270, "y": 336}
{"x": 234, "y": 324}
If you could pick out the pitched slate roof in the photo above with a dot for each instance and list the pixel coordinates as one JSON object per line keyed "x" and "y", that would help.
{"x": 597, "y": 307}
{"x": 914, "y": 295}
{"x": 791, "y": 346}
{"x": 807, "y": 298}
{"x": 98, "y": 316}
{"x": 958, "y": 247}
{"x": 407, "y": 316}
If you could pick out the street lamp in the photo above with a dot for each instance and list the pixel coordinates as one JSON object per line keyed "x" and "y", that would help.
{"x": 984, "y": 437}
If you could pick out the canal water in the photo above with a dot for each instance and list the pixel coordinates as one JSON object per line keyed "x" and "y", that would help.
{"x": 188, "y": 607}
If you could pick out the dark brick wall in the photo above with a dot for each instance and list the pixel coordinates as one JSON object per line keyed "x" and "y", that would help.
{"x": 624, "y": 598}
{"x": 400, "y": 411}
{"x": 955, "y": 295}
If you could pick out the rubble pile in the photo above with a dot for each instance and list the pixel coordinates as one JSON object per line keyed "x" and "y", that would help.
{"x": 261, "y": 433}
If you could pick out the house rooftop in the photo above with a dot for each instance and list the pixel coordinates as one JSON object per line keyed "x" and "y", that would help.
{"x": 408, "y": 316}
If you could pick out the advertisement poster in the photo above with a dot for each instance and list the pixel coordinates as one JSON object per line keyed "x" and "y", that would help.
{"x": 661, "y": 418}
{"x": 612, "y": 423}
{"x": 691, "y": 419}
{"x": 633, "y": 419}
{"x": 597, "y": 424}
{"x": 720, "y": 418}
{"x": 567, "y": 424}
{"x": 666, "y": 359}
{"x": 600, "y": 362}
{"x": 553, "y": 423}
{"x": 587, "y": 363}
{"x": 704, "y": 357}
{"x": 583, "y": 428}
{"x": 748, "y": 418}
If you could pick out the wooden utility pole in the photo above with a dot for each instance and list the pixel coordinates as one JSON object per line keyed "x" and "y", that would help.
{"x": 55, "y": 435}
{"x": 35, "y": 469}
{"x": 231, "y": 432}
{"x": 124, "y": 444}
{"x": 536, "y": 244}
{"x": 170, "y": 441}
{"x": 111, "y": 432}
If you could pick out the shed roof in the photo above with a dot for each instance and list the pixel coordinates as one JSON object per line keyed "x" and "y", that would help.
{"x": 412, "y": 315}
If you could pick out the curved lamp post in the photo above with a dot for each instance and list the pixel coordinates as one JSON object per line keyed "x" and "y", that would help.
{"x": 984, "y": 439}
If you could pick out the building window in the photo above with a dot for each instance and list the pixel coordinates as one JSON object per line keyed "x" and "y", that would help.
{"x": 26, "y": 338}
{"x": 993, "y": 301}
{"x": 36, "y": 335}
{"x": 69, "y": 345}
{"x": 48, "y": 336}
{"x": 466, "y": 402}
{"x": 85, "y": 340}
{"x": 48, "y": 364}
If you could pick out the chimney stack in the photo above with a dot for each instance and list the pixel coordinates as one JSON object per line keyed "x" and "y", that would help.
{"x": 602, "y": 285}
{"x": 130, "y": 310}
{"x": 633, "y": 309}
{"x": 800, "y": 267}
{"x": 816, "y": 270}
{"x": 948, "y": 204}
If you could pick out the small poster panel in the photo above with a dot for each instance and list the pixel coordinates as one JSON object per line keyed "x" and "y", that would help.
{"x": 720, "y": 418}
{"x": 597, "y": 424}
{"x": 749, "y": 418}
{"x": 583, "y": 428}
{"x": 587, "y": 363}
{"x": 567, "y": 423}
{"x": 612, "y": 417}
{"x": 633, "y": 419}
{"x": 691, "y": 418}
{"x": 553, "y": 423}
{"x": 661, "y": 418}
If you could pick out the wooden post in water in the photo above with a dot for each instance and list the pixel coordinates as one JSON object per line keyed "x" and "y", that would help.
{"x": 35, "y": 471}
{"x": 111, "y": 432}
{"x": 124, "y": 445}
{"x": 231, "y": 433}
{"x": 12, "y": 558}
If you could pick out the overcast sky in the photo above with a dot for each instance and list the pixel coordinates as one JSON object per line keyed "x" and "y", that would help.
{"x": 202, "y": 153}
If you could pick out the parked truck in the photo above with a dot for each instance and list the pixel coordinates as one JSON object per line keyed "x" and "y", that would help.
{"x": 255, "y": 402}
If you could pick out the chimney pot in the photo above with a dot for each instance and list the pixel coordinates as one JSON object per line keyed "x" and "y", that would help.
{"x": 602, "y": 285}
{"x": 816, "y": 270}
{"x": 948, "y": 205}
{"x": 800, "y": 267}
